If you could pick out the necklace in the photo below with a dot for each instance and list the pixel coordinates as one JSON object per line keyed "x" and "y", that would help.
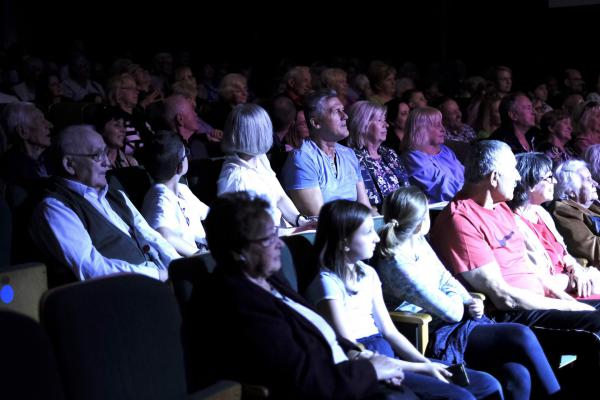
{"x": 333, "y": 164}
{"x": 181, "y": 200}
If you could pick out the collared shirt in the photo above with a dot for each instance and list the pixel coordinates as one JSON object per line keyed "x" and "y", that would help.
{"x": 59, "y": 231}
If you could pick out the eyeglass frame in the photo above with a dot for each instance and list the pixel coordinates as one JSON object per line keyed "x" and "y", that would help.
{"x": 187, "y": 153}
{"x": 550, "y": 178}
{"x": 268, "y": 240}
{"x": 96, "y": 157}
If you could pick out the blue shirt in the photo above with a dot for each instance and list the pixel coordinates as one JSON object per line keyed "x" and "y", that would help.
{"x": 309, "y": 167}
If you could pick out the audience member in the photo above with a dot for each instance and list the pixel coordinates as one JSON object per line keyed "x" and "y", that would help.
{"x": 503, "y": 80}
{"x": 455, "y": 129}
{"x": 298, "y": 85}
{"x": 347, "y": 293}
{"x": 556, "y": 132}
{"x": 517, "y": 127}
{"x": 29, "y": 134}
{"x": 396, "y": 117}
{"x": 545, "y": 246}
{"x": 383, "y": 82}
{"x": 576, "y": 211}
{"x": 79, "y": 85}
{"x": 88, "y": 227}
{"x": 170, "y": 207}
{"x": 233, "y": 91}
{"x": 286, "y": 346}
{"x": 586, "y": 118}
{"x": 323, "y": 170}
{"x": 476, "y": 235}
{"x": 431, "y": 165}
{"x": 248, "y": 136}
{"x": 414, "y": 280}
{"x": 381, "y": 168}
{"x": 113, "y": 132}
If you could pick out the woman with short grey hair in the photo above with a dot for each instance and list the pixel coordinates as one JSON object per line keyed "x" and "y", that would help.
{"x": 576, "y": 211}
{"x": 247, "y": 137}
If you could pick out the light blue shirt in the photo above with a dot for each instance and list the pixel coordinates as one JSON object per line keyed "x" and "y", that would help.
{"x": 58, "y": 231}
{"x": 309, "y": 167}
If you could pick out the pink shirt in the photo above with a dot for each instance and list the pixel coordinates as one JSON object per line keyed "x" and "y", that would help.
{"x": 467, "y": 236}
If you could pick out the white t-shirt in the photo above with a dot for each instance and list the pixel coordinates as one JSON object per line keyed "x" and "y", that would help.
{"x": 182, "y": 215}
{"x": 360, "y": 321}
{"x": 254, "y": 176}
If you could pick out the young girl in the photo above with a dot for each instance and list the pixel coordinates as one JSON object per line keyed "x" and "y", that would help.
{"x": 347, "y": 293}
{"x": 415, "y": 280}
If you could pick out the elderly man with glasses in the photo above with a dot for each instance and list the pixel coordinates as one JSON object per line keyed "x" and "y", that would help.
{"x": 84, "y": 225}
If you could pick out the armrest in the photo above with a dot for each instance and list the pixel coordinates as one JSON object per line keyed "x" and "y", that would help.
{"x": 254, "y": 392}
{"x": 221, "y": 390}
{"x": 415, "y": 326}
{"x": 478, "y": 295}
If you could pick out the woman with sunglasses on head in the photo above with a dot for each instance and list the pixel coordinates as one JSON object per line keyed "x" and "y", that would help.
{"x": 347, "y": 293}
{"x": 415, "y": 280}
{"x": 546, "y": 248}
{"x": 170, "y": 207}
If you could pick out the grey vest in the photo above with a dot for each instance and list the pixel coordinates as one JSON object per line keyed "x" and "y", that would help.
{"x": 109, "y": 240}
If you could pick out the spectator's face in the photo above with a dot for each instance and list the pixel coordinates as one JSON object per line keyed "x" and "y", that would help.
{"x": 239, "y": 93}
{"x": 507, "y": 177}
{"x": 302, "y": 84}
{"x": 436, "y": 134}
{"x": 340, "y": 85}
{"x": 189, "y": 118}
{"x": 451, "y": 115}
{"x": 575, "y": 81}
{"x": 300, "y": 126}
{"x": 362, "y": 243}
{"x": 388, "y": 85}
{"x": 185, "y": 74}
{"x": 114, "y": 133}
{"x": 417, "y": 100}
{"x": 83, "y": 167}
{"x": 504, "y": 81}
{"x": 562, "y": 129}
{"x": 54, "y": 86}
{"x": 332, "y": 124}
{"x": 541, "y": 92}
{"x": 403, "y": 111}
{"x": 544, "y": 190}
{"x": 128, "y": 93}
{"x": 37, "y": 130}
{"x": 522, "y": 112}
{"x": 587, "y": 193}
{"x": 263, "y": 253}
{"x": 377, "y": 129}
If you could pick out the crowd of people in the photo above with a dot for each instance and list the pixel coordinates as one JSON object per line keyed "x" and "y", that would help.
{"x": 516, "y": 173}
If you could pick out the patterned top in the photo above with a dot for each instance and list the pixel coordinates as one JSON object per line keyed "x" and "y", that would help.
{"x": 464, "y": 134}
{"x": 381, "y": 176}
{"x": 557, "y": 155}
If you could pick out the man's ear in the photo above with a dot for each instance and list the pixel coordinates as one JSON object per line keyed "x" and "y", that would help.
{"x": 21, "y": 132}
{"x": 178, "y": 120}
{"x": 67, "y": 163}
{"x": 493, "y": 178}
{"x": 313, "y": 122}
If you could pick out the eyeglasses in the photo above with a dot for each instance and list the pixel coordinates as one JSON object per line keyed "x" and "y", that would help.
{"x": 549, "y": 178}
{"x": 269, "y": 240}
{"x": 97, "y": 157}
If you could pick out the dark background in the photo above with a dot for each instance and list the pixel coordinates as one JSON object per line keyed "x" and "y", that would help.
{"x": 529, "y": 36}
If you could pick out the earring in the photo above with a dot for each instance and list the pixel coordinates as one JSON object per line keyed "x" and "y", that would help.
{"x": 346, "y": 249}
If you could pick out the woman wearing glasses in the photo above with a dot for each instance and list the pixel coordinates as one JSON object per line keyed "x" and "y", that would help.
{"x": 546, "y": 249}
{"x": 246, "y": 324}
{"x": 170, "y": 207}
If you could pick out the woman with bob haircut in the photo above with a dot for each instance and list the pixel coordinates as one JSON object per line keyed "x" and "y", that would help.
{"x": 347, "y": 293}
{"x": 380, "y": 166}
{"x": 170, "y": 207}
{"x": 415, "y": 280}
{"x": 546, "y": 248}
{"x": 260, "y": 331}
{"x": 431, "y": 166}
{"x": 247, "y": 138}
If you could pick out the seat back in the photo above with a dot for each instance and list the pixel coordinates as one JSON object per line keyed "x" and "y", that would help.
{"x": 134, "y": 181}
{"x": 298, "y": 261}
{"x": 28, "y": 368}
{"x": 117, "y": 337}
{"x": 5, "y": 233}
{"x": 186, "y": 273}
{"x": 21, "y": 288}
{"x": 202, "y": 177}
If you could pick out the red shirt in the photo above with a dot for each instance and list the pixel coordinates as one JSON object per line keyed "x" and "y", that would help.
{"x": 467, "y": 236}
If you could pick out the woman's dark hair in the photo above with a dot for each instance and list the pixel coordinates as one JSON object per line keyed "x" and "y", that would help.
{"x": 532, "y": 167}
{"x": 233, "y": 220}
{"x": 163, "y": 155}
{"x": 391, "y": 140}
{"x": 338, "y": 221}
